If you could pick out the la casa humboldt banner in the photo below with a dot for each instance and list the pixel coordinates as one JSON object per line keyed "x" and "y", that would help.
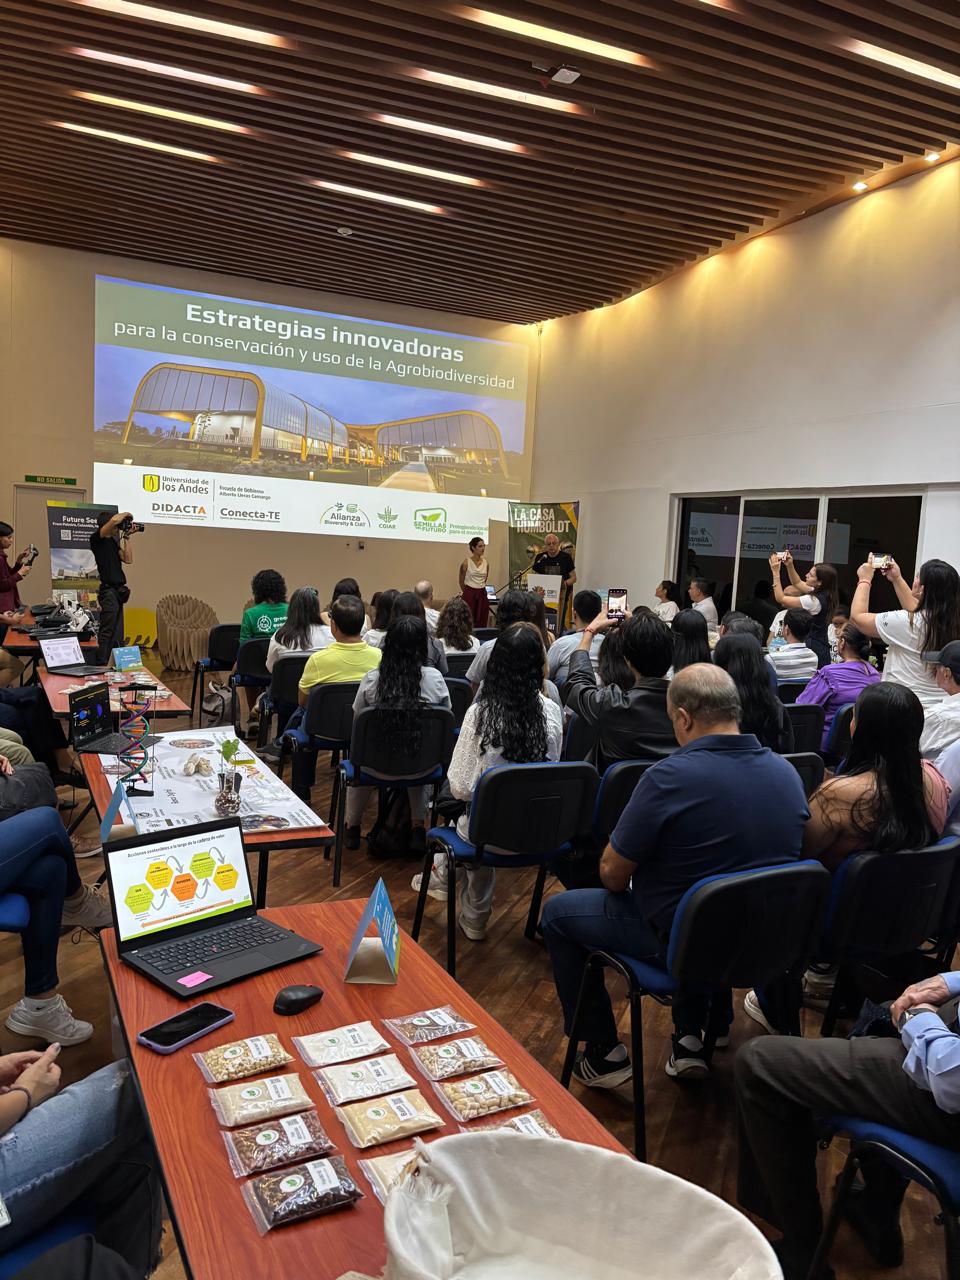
{"x": 528, "y": 525}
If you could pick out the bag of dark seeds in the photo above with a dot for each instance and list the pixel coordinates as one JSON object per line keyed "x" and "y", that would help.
{"x": 303, "y": 1191}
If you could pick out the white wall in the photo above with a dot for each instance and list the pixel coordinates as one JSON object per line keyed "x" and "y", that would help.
{"x": 823, "y": 355}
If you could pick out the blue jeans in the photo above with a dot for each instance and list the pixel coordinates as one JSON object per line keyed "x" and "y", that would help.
{"x": 36, "y": 860}
{"x": 87, "y": 1149}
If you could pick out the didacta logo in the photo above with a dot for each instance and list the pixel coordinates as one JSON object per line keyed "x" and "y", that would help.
{"x": 151, "y": 484}
{"x": 345, "y": 515}
{"x": 430, "y": 520}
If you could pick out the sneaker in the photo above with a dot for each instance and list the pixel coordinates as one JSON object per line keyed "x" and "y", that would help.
{"x": 751, "y": 1007}
{"x": 351, "y": 838}
{"x": 86, "y": 846}
{"x": 473, "y": 932}
{"x": 883, "y": 1240}
{"x": 92, "y": 911}
{"x": 601, "y": 1073}
{"x": 687, "y": 1059}
{"x": 270, "y": 753}
{"x": 436, "y": 890}
{"x": 55, "y": 1023}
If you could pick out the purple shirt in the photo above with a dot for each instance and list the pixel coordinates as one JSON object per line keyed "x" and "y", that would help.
{"x": 834, "y": 686}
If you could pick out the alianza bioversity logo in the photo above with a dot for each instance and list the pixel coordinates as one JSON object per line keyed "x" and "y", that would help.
{"x": 430, "y": 520}
{"x": 345, "y": 515}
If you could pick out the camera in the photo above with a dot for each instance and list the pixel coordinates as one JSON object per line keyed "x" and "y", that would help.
{"x": 129, "y": 526}
{"x": 32, "y": 553}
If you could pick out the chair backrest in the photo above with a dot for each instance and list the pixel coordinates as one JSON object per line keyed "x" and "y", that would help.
{"x": 887, "y": 904}
{"x": 807, "y": 721}
{"x": 580, "y": 739}
{"x": 252, "y": 658}
{"x": 484, "y": 634}
{"x": 838, "y": 739}
{"x": 533, "y": 808}
{"x": 787, "y": 690}
{"x": 810, "y": 768}
{"x": 223, "y": 643}
{"x": 748, "y": 927}
{"x": 370, "y": 751}
{"x": 461, "y": 695}
{"x": 329, "y": 711}
{"x": 285, "y": 677}
{"x": 458, "y": 664}
{"x": 617, "y": 785}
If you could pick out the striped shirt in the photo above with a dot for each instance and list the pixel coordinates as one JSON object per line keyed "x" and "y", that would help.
{"x": 793, "y": 662}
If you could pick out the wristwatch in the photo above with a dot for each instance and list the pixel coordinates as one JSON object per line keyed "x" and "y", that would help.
{"x": 907, "y": 1015}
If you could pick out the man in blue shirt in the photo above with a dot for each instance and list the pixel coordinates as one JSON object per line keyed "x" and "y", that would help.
{"x": 783, "y": 1083}
{"x": 720, "y": 803}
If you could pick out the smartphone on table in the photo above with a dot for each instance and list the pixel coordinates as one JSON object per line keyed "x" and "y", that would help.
{"x": 185, "y": 1026}
{"x": 617, "y": 602}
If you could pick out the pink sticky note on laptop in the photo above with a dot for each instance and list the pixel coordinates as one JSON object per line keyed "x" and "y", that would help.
{"x": 194, "y": 979}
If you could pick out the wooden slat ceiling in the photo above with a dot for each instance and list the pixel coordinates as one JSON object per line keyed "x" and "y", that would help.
{"x": 741, "y": 113}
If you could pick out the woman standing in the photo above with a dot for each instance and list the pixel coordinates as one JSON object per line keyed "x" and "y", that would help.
{"x": 671, "y": 601}
{"x": 474, "y": 572}
{"x": 817, "y": 593}
{"x": 841, "y": 682}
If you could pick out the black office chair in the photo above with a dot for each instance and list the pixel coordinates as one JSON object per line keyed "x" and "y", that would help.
{"x": 745, "y": 929}
{"x": 374, "y": 762}
{"x": 461, "y": 695}
{"x": 884, "y": 906}
{"x": 580, "y": 868}
{"x": 326, "y": 726}
{"x": 580, "y": 739}
{"x": 284, "y": 690}
{"x": 251, "y": 672}
{"x": 807, "y": 721}
{"x": 458, "y": 664}
{"x": 484, "y": 634}
{"x": 222, "y": 646}
{"x": 788, "y": 690}
{"x": 810, "y": 768}
{"x": 535, "y": 810}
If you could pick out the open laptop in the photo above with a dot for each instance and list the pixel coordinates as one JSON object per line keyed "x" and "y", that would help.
{"x": 183, "y": 910}
{"x": 91, "y": 723}
{"x": 64, "y": 657}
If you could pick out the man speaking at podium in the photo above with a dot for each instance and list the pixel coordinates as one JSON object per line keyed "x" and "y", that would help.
{"x": 556, "y": 563}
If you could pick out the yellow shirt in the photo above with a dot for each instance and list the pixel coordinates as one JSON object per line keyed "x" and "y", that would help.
{"x": 339, "y": 664}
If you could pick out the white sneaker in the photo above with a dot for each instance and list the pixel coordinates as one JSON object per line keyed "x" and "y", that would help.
{"x": 436, "y": 890}
{"x": 92, "y": 911}
{"x": 474, "y": 933}
{"x": 86, "y": 846}
{"x": 751, "y": 1007}
{"x": 55, "y": 1023}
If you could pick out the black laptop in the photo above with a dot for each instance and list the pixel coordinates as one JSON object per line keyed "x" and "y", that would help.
{"x": 62, "y": 656}
{"x": 91, "y": 723}
{"x": 183, "y": 910}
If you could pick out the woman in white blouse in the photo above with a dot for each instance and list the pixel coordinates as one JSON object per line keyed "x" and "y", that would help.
{"x": 670, "y": 600}
{"x": 303, "y": 632}
{"x": 511, "y": 722}
{"x": 455, "y": 628}
{"x": 474, "y": 572}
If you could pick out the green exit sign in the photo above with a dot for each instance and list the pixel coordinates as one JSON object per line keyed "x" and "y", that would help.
{"x": 53, "y": 480}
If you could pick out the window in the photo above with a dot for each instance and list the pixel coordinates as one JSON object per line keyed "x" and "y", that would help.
{"x": 883, "y": 525}
{"x": 708, "y": 546}
{"x": 774, "y": 524}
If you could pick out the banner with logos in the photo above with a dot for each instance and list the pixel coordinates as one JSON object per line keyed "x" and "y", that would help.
{"x": 715, "y": 534}
{"x": 528, "y": 524}
{"x": 72, "y": 566}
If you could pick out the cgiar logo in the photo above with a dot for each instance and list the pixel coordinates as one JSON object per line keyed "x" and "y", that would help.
{"x": 430, "y": 520}
{"x": 151, "y": 484}
{"x": 387, "y": 517}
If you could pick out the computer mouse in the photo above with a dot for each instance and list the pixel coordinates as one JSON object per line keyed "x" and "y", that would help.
{"x": 292, "y": 1000}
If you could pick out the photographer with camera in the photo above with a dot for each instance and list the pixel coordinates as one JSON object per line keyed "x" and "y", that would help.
{"x": 112, "y": 549}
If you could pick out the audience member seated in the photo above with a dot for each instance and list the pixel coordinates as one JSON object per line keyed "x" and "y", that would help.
{"x": 744, "y": 626}
{"x": 455, "y": 627}
{"x": 690, "y": 640}
{"x": 786, "y": 1084}
{"x": 612, "y": 668}
{"x": 840, "y": 682}
{"x": 761, "y": 711}
{"x": 13, "y": 749}
{"x": 586, "y": 607}
{"x": 760, "y": 607}
{"x": 929, "y": 618}
{"x": 302, "y": 632}
{"x": 25, "y": 712}
{"x": 345, "y": 587}
{"x": 424, "y": 590}
{"x": 633, "y": 724}
{"x": 941, "y": 724}
{"x": 816, "y": 593}
{"x": 699, "y": 593}
{"x": 537, "y": 614}
{"x": 86, "y": 1149}
{"x": 511, "y": 721}
{"x": 37, "y": 861}
{"x": 345, "y": 661}
{"x": 399, "y": 687}
{"x": 794, "y": 659}
{"x": 409, "y": 605}
{"x": 383, "y": 612}
{"x": 729, "y": 619}
{"x": 265, "y": 616}
{"x": 686, "y": 820}
{"x": 841, "y": 616}
{"x": 670, "y": 600}
{"x": 948, "y": 766}
{"x": 514, "y": 607}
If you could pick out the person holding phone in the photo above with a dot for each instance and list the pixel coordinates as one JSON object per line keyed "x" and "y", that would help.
{"x": 816, "y": 592}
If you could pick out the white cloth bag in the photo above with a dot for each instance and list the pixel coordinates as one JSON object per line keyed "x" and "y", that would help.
{"x": 505, "y": 1206}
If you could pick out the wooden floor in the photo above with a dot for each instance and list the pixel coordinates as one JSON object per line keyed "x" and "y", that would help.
{"x": 691, "y": 1130}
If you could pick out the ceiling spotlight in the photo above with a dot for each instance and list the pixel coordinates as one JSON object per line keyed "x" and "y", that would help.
{"x": 932, "y": 157}
{"x": 859, "y": 186}
{"x": 344, "y": 231}
{"x": 563, "y": 74}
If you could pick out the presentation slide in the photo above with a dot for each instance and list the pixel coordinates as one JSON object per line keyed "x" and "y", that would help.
{"x": 219, "y": 412}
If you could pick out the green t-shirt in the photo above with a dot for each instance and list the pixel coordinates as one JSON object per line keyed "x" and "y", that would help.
{"x": 262, "y": 620}
{"x": 339, "y": 664}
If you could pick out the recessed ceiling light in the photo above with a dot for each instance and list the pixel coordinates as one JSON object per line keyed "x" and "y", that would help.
{"x": 421, "y": 170}
{"x": 343, "y": 190}
{"x": 455, "y": 135}
{"x": 345, "y": 231}
{"x": 162, "y": 69}
{"x": 932, "y": 157}
{"x": 927, "y": 70}
{"x": 495, "y": 91}
{"x": 168, "y": 113}
{"x": 132, "y": 141}
{"x": 859, "y": 186}
{"x": 550, "y": 35}
{"x": 209, "y": 26}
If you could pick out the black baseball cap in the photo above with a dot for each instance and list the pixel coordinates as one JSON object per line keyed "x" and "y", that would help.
{"x": 948, "y": 656}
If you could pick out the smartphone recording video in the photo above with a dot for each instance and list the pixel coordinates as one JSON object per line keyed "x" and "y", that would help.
{"x": 617, "y": 602}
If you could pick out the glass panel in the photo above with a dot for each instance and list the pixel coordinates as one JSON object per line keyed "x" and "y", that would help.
{"x": 885, "y": 526}
{"x": 708, "y": 544}
{"x": 773, "y": 524}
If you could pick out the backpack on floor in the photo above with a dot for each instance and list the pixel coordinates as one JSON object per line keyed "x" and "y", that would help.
{"x": 215, "y": 708}
{"x": 390, "y": 837}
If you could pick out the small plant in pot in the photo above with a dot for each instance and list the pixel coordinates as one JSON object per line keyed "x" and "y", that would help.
{"x": 227, "y": 801}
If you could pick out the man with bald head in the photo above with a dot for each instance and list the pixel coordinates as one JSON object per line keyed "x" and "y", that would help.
{"x": 719, "y": 803}
{"x": 424, "y": 590}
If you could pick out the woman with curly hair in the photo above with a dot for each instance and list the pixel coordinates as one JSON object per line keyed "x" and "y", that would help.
{"x": 512, "y": 721}
{"x": 455, "y": 627}
{"x": 398, "y": 688}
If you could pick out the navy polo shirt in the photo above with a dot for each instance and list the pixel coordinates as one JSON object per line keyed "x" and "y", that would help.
{"x": 721, "y": 803}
